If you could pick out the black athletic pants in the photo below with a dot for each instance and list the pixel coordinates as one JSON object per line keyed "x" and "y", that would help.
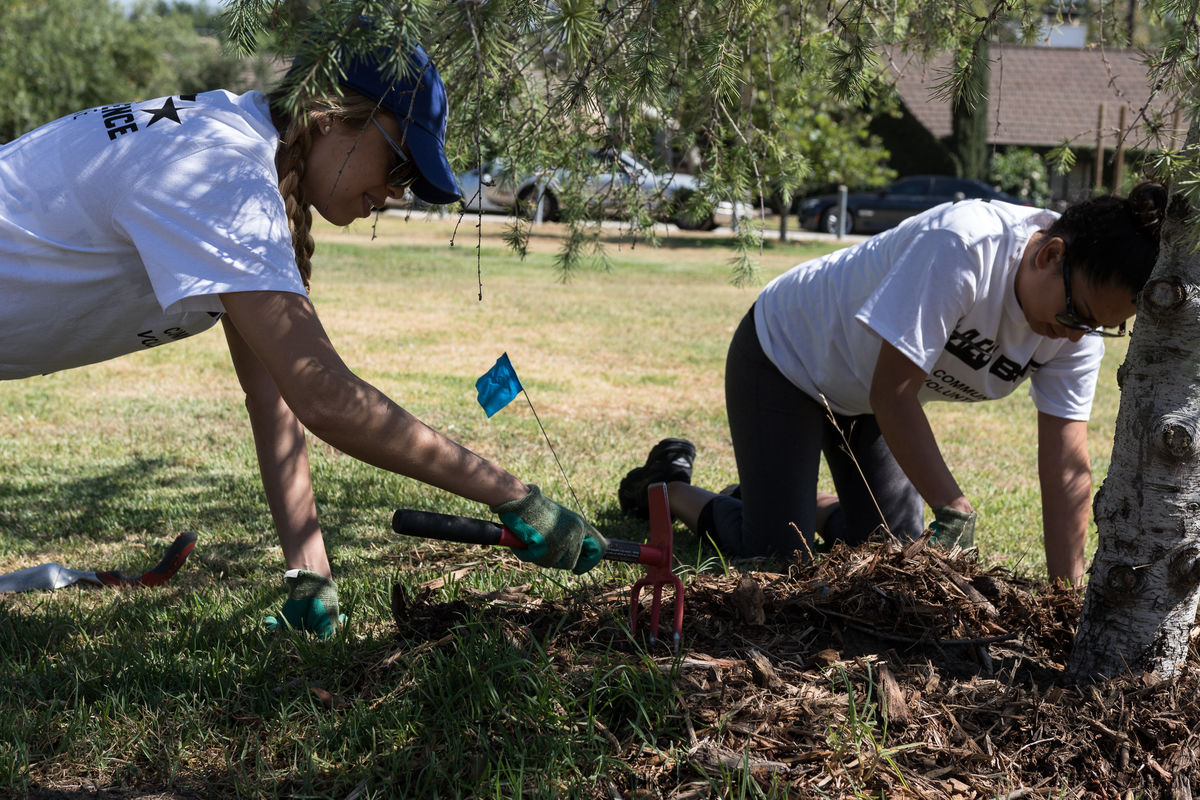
{"x": 779, "y": 435}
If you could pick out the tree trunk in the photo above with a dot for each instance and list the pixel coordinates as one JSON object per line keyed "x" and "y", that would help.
{"x": 1141, "y": 598}
{"x": 784, "y": 210}
{"x": 969, "y": 120}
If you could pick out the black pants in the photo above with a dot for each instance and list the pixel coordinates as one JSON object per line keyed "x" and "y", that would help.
{"x": 779, "y": 435}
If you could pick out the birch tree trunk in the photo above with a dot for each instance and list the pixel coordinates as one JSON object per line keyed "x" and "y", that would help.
{"x": 1141, "y": 598}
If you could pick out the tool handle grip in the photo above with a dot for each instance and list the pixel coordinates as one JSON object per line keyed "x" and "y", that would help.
{"x": 451, "y": 528}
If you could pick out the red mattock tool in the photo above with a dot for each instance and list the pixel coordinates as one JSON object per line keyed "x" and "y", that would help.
{"x": 55, "y": 576}
{"x": 656, "y": 554}
{"x": 159, "y": 574}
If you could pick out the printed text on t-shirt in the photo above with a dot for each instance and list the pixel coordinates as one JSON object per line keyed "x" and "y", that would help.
{"x": 976, "y": 352}
{"x": 154, "y": 339}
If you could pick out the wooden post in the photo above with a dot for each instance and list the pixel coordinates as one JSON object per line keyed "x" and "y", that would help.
{"x": 1099, "y": 182}
{"x": 1119, "y": 158}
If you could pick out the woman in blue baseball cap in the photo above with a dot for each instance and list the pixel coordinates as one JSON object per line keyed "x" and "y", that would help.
{"x": 135, "y": 224}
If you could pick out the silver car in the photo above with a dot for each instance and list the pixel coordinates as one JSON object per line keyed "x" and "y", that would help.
{"x": 615, "y": 173}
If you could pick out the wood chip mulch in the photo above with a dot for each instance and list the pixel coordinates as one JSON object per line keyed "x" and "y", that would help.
{"x": 881, "y": 671}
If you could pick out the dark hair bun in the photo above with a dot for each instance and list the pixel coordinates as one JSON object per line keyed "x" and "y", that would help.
{"x": 1115, "y": 239}
{"x": 1148, "y": 204}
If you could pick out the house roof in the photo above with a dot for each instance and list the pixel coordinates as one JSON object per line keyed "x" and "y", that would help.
{"x": 1039, "y": 96}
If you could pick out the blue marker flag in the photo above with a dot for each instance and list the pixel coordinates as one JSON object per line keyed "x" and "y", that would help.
{"x": 498, "y": 386}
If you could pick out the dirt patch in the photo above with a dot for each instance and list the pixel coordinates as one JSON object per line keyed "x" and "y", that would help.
{"x": 881, "y": 671}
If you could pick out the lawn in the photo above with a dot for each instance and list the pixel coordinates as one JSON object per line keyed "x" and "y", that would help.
{"x": 179, "y": 689}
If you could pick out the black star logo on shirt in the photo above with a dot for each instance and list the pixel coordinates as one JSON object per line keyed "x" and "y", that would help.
{"x": 168, "y": 111}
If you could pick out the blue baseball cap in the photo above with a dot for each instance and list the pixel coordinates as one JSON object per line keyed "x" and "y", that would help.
{"x": 418, "y": 99}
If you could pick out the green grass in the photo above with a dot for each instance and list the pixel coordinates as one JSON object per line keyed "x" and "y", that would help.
{"x": 101, "y": 467}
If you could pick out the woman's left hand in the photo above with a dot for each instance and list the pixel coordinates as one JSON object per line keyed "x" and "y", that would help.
{"x": 953, "y": 528}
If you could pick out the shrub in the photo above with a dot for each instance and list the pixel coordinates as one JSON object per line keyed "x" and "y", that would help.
{"x": 1022, "y": 172}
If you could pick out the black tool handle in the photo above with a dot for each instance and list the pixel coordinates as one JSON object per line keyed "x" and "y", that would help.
{"x": 450, "y": 528}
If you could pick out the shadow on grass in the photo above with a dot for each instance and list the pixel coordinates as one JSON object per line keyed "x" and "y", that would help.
{"x": 476, "y": 702}
{"x": 139, "y": 494}
{"x": 170, "y": 495}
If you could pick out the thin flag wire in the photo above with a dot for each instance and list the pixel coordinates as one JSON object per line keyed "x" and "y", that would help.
{"x": 498, "y": 387}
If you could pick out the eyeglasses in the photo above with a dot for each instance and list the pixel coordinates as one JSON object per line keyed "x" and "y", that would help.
{"x": 1071, "y": 319}
{"x": 402, "y": 175}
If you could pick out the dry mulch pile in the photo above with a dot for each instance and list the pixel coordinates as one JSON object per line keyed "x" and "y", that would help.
{"x": 901, "y": 672}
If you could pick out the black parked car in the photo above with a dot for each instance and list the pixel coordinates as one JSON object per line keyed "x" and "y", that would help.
{"x": 871, "y": 212}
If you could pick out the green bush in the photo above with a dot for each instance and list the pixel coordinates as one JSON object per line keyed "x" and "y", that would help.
{"x": 1022, "y": 172}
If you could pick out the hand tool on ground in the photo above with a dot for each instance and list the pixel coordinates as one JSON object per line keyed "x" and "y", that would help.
{"x": 656, "y": 554}
{"x": 161, "y": 572}
{"x": 56, "y": 576}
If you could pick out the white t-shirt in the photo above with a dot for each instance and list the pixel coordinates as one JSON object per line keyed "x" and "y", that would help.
{"x": 940, "y": 289}
{"x": 120, "y": 225}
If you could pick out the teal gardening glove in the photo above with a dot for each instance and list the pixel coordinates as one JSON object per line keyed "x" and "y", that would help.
{"x": 554, "y": 536}
{"x": 952, "y": 527}
{"x": 311, "y": 605}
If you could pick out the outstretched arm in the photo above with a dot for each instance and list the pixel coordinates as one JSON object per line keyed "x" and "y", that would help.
{"x": 282, "y": 461}
{"x": 1065, "y": 471}
{"x": 281, "y": 329}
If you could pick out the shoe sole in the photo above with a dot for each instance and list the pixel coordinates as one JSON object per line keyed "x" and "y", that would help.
{"x": 632, "y": 492}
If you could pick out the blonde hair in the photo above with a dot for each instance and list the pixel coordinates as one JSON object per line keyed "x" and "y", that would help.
{"x": 291, "y": 159}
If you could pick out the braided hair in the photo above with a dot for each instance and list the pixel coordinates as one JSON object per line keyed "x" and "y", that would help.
{"x": 291, "y": 159}
{"x": 1114, "y": 240}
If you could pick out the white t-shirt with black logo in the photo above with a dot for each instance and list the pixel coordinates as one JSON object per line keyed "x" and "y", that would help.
{"x": 940, "y": 289}
{"x": 121, "y": 225}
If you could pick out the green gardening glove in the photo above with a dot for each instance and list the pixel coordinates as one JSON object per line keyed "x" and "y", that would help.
{"x": 311, "y": 605}
{"x": 554, "y": 536}
{"x": 952, "y": 527}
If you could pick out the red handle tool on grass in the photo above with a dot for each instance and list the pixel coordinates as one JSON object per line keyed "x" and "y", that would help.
{"x": 55, "y": 576}
{"x": 159, "y": 574}
{"x": 656, "y": 554}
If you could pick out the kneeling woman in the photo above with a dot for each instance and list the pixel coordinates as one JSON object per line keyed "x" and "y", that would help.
{"x": 963, "y": 303}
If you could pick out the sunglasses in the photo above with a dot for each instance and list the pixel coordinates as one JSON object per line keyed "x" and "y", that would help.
{"x": 402, "y": 175}
{"x": 1071, "y": 319}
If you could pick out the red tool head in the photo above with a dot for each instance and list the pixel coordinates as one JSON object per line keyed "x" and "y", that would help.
{"x": 659, "y": 573}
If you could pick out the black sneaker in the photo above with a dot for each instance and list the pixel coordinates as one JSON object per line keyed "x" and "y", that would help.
{"x": 669, "y": 460}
